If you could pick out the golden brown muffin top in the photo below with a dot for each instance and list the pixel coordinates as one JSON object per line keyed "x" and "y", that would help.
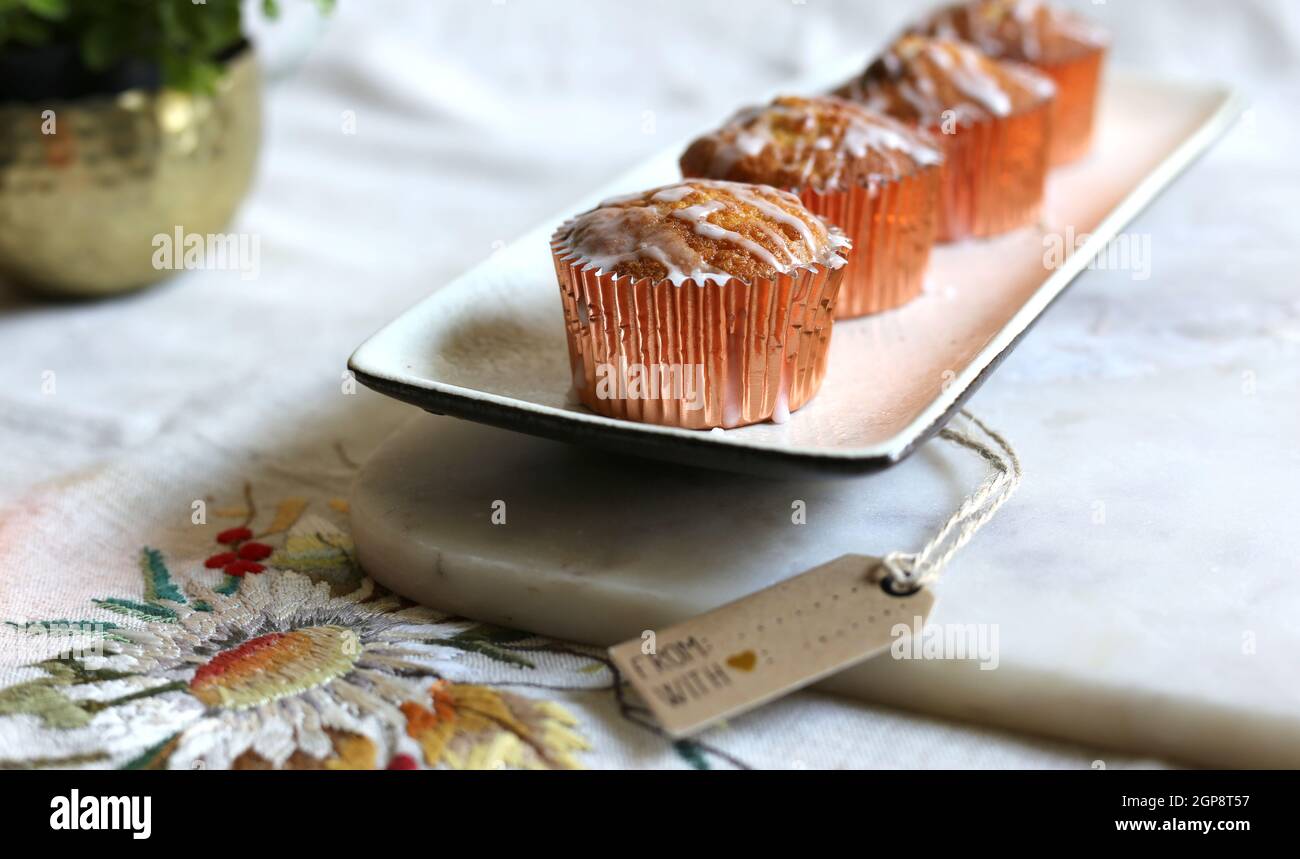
{"x": 1030, "y": 31}
{"x": 918, "y": 78}
{"x": 824, "y": 143}
{"x": 701, "y": 230}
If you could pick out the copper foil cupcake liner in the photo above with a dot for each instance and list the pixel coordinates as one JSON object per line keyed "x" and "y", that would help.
{"x": 696, "y": 355}
{"x": 994, "y": 174}
{"x": 1075, "y": 108}
{"x": 892, "y": 225}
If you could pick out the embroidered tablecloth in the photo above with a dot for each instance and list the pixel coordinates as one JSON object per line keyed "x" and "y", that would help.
{"x": 137, "y": 637}
{"x": 177, "y": 582}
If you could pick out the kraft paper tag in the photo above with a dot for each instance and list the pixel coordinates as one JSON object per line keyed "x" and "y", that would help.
{"x": 767, "y": 644}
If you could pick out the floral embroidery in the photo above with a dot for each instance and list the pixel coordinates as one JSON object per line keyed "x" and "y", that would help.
{"x": 475, "y": 727}
{"x": 243, "y": 551}
{"x": 244, "y": 554}
{"x": 282, "y": 673}
{"x": 304, "y": 664}
{"x": 294, "y": 659}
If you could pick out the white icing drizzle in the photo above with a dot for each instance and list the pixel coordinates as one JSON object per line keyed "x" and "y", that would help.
{"x": 713, "y": 231}
{"x": 753, "y": 130}
{"x": 919, "y": 95}
{"x": 917, "y": 69}
{"x": 983, "y": 23}
{"x": 970, "y": 77}
{"x": 861, "y": 139}
{"x": 624, "y": 234}
{"x": 1024, "y": 15}
{"x": 671, "y": 194}
{"x": 699, "y": 212}
{"x": 632, "y": 227}
{"x": 780, "y": 215}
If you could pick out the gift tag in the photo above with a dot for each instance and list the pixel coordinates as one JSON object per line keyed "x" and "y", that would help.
{"x": 767, "y": 644}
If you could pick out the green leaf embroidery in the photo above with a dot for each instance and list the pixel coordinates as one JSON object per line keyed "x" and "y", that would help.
{"x": 228, "y": 587}
{"x": 493, "y": 633}
{"x": 74, "y": 672}
{"x": 691, "y": 753}
{"x": 474, "y": 645}
{"x": 44, "y": 699}
{"x": 158, "y": 584}
{"x": 318, "y": 549}
{"x": 154, "y": 757}
{"x": 137, "y": 610}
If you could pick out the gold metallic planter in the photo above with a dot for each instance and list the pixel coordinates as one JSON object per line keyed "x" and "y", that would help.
{"x": 79, "y": 207}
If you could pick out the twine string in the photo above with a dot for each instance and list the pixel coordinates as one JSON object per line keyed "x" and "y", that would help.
{"x": 911, "y": 571}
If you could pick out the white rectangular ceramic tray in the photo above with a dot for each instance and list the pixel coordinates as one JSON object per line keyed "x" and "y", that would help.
{"x": 490, "y": 346}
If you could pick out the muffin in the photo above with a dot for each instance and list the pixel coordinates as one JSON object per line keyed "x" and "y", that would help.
{"x": 993, "y": 121}
{"x": 1062, "y": 44}
{"x": 701, "y": 304}
{"x": 872, "y": 176}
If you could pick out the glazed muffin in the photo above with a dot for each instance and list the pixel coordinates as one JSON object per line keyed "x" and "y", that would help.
{"x": 1062, "y": 44}
{"x": 872, "y": 176}
{"x": 701, "y": 304}
{"x": 993, "y": 121}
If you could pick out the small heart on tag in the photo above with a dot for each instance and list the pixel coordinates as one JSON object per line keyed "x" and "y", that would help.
{"x": 743, "y": 661}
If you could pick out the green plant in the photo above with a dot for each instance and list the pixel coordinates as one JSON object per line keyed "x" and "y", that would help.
{"x": 185, "y": 38}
